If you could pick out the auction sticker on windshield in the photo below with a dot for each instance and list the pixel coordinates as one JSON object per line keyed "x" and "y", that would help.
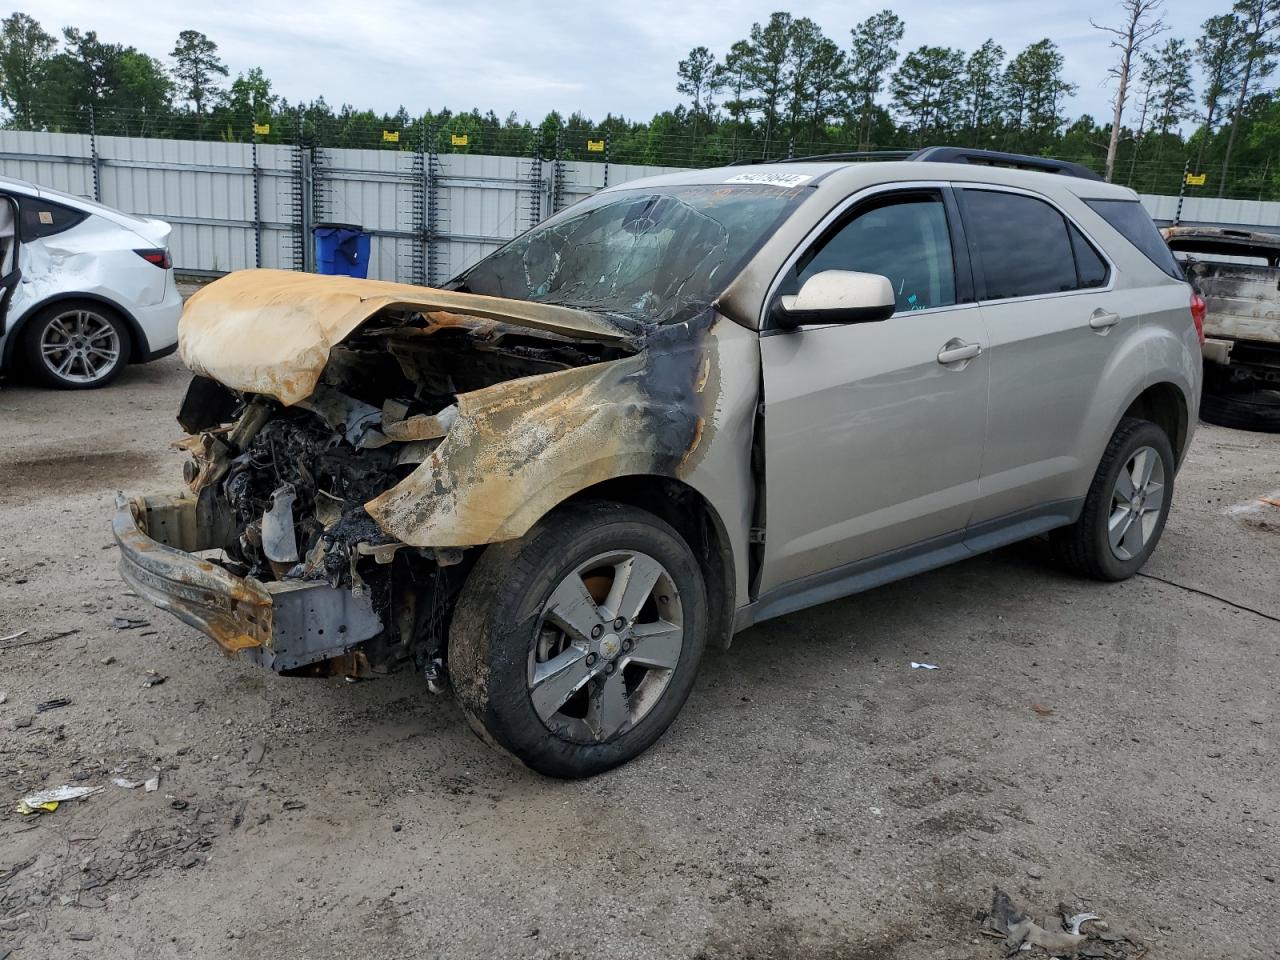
{"x": 772, "y": 179}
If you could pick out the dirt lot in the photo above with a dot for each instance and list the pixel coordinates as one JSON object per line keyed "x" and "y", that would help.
{"x": 1113, "y": 747}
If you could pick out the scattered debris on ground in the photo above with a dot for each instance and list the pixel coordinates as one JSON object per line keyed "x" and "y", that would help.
{"x": 128, "y": 623}
{"x": 923, "y": 666}
{"x": 46, "y": 801}
{"x": 1066, "y": 934}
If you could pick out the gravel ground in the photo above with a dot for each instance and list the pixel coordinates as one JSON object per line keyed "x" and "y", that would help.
{"x": 1109, "y": 746}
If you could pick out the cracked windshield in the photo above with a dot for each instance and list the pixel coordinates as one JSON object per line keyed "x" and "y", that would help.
{"x": 655, "y": 255}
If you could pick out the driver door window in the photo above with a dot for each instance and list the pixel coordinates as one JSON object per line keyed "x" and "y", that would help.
{"x": 904, "y": 238}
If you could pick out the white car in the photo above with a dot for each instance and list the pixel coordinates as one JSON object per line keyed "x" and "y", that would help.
{"x": 86, "y": 289}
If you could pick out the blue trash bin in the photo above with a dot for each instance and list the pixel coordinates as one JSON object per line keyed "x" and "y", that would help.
{"x": 342, "y": 249}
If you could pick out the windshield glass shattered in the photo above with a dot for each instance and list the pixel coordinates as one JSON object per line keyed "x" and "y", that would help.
{"x": 655, "y": 255}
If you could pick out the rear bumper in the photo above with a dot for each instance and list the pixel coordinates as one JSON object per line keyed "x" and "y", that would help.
{"x": 158, "y": 324}
{"x": 281, "y": 625}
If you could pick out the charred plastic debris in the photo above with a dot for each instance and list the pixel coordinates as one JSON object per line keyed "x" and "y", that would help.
{"x": 1065, "y": 934}
{"x": 350, "y": 484}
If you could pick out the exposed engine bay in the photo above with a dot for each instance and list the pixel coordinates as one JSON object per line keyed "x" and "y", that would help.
{"x": 291, "y": 482}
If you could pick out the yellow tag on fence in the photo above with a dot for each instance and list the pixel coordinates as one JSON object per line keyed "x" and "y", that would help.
{"x": 391, "y": 136}
{"x": 595, "y": 146}
{"x": 262, "y": 129}
{"x": 459, "y": 139}
{"x": 1196, "y": 179}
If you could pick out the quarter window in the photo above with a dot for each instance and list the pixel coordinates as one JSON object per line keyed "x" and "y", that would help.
{"x": 41, "y": 218}
{"x": 904, "y": 238}
{"x": 1091, "y": 269}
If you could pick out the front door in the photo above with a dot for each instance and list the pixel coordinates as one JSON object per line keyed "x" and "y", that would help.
{"x": 873, "y": 431}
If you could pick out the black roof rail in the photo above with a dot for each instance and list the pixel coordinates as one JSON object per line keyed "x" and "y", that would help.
{"x": 996, "y": 158}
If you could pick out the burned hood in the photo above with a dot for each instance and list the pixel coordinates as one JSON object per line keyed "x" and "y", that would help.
{"x": 270, "y": 332}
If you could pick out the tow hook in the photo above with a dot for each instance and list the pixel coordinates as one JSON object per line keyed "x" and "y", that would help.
{"x": 436, "y": 676}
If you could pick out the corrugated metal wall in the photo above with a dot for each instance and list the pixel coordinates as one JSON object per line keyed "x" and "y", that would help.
{"x": 236, "y": 205}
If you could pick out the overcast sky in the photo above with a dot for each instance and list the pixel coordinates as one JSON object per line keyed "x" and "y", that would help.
{"x": 533, "y": 56}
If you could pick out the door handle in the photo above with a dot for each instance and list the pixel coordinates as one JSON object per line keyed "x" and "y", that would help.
{"x": 1103, "y": 319}
{"x": 953, "y": 351}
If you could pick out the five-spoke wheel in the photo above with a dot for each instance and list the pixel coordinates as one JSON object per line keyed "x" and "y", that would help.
{"x": 1136, "y": 503}
{"x": 607, "y": 643}
{"x": 1125, "y": 509}
{"x": 574, "y": 647}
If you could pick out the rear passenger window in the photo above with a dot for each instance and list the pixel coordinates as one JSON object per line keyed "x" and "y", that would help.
{"x": 1132, "y": 220}
{"x": 902, "y": 237}
{"x": 1091, "y": 269}
{"x": 40, "y": 218}
{"x": 1022, "y": 244}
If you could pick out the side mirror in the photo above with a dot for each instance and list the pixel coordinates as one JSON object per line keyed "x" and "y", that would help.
{"x": 838, "y": 296}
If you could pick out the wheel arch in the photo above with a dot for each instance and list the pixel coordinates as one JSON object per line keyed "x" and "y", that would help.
{"x": 697, "y": 521}
{"x": 137, "y": 340}
{"x": 1165, "y": 405}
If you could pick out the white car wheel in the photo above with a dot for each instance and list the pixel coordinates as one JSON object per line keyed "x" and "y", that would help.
{"x": 77, "y": 345}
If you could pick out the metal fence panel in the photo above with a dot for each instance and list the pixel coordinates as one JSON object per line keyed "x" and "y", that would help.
{"x": 484, "y": 203}
{"x": 58, "y": 160}
{"x": 373, "y": 189}
{"x": 1215, "y": 211}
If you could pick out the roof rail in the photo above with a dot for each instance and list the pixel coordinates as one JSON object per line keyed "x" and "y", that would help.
{"x": 996, "y": 158}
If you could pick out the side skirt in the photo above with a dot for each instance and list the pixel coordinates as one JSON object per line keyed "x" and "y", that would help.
{"x": 860, "y": 575}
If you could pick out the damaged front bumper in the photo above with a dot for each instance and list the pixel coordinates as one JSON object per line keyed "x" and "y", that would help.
{"x": 283, "y": 625}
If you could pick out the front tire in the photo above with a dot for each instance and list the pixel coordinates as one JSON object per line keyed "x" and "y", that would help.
{"x": 1126, "y": 507}
{"x": 574, "y": 647}
{"x": 76, "y": 345}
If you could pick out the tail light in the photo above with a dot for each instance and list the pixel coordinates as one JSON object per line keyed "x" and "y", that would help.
{"x": 1198, "y": 310}
{"x": 159, "y": 256}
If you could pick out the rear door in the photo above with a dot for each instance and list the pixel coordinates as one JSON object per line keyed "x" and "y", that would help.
{"x": 873, "y": 431}
{"x": 1055, "y": 322}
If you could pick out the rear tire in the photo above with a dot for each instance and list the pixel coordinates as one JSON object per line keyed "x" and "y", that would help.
{"x": 75, "y": 345}
{"x": 1126, "y": 506}
{"x": 574, "y": 647}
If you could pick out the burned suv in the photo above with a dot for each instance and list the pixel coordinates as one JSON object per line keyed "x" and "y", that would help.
{"x": 675, "y": 409}
{"x": 1238, "y": 274}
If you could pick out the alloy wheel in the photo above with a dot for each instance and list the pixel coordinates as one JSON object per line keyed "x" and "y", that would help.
{"x": 607, "y": 643}
{"x": 1136, "y": 501}
{"x": 80, "y": 346}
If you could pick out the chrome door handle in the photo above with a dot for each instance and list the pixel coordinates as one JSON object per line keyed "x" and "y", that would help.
{"x": 1103, "y": 320}
{"x": 953, "y": 351}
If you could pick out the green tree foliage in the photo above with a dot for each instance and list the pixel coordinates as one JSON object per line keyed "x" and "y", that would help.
{"x": 928, "y": 91}
{"x": 875, "y": 51}
{"x": 25, "y": 49}
{"x": 784, "y": 87}
{"x": 1258, "y": 20}
{"x": 1034, "y": 91}
{"x": 983, "y": 90}
{"x": 196, "y": 67}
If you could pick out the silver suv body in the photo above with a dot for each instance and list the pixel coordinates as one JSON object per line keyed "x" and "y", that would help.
{"x": 680, "y": 407}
